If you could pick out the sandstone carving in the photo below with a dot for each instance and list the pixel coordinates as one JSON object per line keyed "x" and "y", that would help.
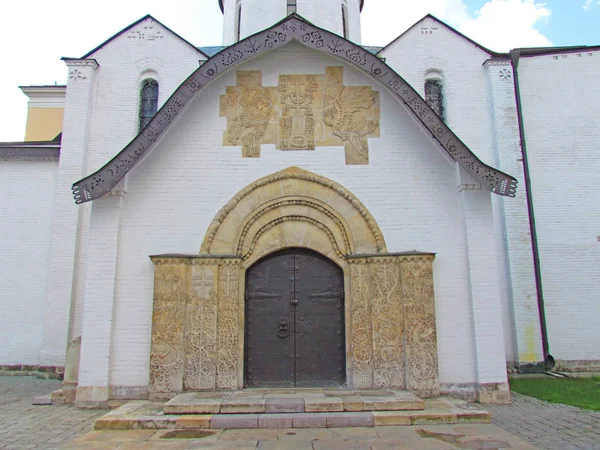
{"x": 301, "y": 113}
{"x": 198, "y": 328}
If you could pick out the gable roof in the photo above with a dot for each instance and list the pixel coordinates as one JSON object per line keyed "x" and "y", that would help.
{"x": 129, "y": 27}
{"x": 453, "y": 30}
{"x": 294, "y": 27}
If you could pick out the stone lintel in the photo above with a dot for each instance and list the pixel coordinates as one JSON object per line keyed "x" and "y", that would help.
{"x": 175, "y": 258}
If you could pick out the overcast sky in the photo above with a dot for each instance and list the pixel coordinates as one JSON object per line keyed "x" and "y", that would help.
{"x": 35, "y": 34}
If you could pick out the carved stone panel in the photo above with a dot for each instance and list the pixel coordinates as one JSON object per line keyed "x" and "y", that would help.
{"x": 421, "y": 335}
{"x": 228, "y": 329}
{"x": 393, "y": 337}
{"x": 195, "y": 325}
{"x": 201, "y": 329}
{"x": 388, "y": 324}
{"x": 167, "y": 355}
{"x": 362, "y": 333}
{"x": 197, "y": 333}
{"x": 301, "y": 113}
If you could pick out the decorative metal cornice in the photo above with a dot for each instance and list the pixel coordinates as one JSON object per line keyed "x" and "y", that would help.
{"x": 296, "y": 28}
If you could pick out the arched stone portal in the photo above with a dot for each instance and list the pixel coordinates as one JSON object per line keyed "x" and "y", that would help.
{"x": 199, "y": 300}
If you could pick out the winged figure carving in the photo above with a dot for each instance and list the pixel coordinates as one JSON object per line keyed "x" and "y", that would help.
{"x": 341, "y": 108}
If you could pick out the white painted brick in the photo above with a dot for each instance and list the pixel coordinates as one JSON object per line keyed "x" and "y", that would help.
{"x": 26, "y": 222}
{"x": 173, "y": 195}
{"x": 561, "y": 106}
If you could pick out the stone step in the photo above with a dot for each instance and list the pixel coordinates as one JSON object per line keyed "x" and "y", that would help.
{"x": 141, "y": 414}
{"x": 257, "y": 401}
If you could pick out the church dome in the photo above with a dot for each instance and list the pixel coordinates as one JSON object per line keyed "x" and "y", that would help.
{"x": 243, "y": 18}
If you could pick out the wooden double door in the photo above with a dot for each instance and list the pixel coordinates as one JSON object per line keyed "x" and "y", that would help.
{"x": 295, "y": 332}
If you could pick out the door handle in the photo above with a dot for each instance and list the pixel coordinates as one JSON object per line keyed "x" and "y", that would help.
{"x": 283, "y": 330}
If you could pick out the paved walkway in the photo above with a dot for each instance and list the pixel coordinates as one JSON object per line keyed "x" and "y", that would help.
{"x": 23, "y": 426}
{"x": 546, "y": 426}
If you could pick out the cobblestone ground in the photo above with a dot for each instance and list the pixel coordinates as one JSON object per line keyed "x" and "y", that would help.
{"x": 548, "y": 426}
{"x": 24, "y": 426}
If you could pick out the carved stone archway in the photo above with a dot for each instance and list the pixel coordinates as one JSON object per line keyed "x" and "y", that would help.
{"x": 293, "y": 208}
{"x": 198, "y": 321}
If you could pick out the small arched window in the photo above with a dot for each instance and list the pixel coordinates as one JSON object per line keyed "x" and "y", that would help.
{"x": 238, "y": 22}
{"x": 149, "y": 102}
{"x": 434, "y": 96}
{"x": 344, "y": 21}
{"x": 291, "y": 7}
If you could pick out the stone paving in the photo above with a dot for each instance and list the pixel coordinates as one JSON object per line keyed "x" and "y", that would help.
{"x": 547, "y": 425}
{"x": 24, "y": 426}
{"x": 436, "y": 437}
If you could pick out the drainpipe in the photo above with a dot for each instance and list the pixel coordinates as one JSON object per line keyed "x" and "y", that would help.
{"x": 548, "y": 359}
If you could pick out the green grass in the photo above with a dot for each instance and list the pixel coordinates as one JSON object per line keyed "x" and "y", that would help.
{"x": 581, "y": 392}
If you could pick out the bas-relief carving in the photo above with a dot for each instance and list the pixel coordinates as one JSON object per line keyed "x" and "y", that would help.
{"x": 167, "y": 355}
{"x": 196, "y": 325}
{"x": 393, "y": 337}
{"x": 301, "y": 113}
{"x": 197, "y": 337}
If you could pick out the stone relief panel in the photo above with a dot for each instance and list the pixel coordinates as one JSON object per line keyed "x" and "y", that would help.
{"x": 195, "y": 325}
{"x": 228, "y": 327}
{"x": 421, "y": 334}
{"x": 393, "y": 337}
{"x": 388, "y": 324}
{"x": 201, "y": 329}
{"x": 301, "y": 113}
{"x": 167, "y": 356}
{"x": 362, "y": 333}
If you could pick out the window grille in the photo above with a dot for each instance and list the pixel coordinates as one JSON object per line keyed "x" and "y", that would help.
{"x": 435, "y": 97}
{"x": 149, "y": 102}
{"x": 291, "y": 7}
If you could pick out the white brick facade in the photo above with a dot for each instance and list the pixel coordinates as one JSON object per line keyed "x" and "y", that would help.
{"x": 26, "y": 224}
{"x": 93, "y": 278}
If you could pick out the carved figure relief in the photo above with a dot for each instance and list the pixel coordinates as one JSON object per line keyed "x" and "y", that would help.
{"x": 342, "y": 111}
{"x": 251, "y": 104}
{"x": 301, "y": 113}
{"x": 297, "y": 123}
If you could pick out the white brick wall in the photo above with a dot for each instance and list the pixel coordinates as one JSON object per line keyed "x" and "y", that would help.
{"x": 561, "y": 105}
{"x": 26, "y": 222}
{"x": 410, "y": 187}
{"x": 513, "y": 237}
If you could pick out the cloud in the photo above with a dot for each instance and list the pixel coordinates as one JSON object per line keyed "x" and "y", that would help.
{"x": 505, "y": 24}
{"x": 499, "y": 25}
{"x": 589, "y": 3}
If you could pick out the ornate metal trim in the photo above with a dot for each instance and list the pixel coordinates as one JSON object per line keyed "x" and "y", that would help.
{"x": 293, "y": 27}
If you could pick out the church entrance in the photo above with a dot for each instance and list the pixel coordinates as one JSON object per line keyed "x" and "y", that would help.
{"x": 294, "y": 321}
